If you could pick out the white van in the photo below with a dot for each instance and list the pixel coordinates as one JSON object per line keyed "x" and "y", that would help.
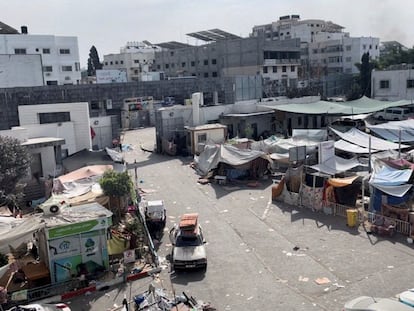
{"x": 394, "y": 114}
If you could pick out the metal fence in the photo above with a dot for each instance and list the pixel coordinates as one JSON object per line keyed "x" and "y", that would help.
{"x": 401, "y": 226}
{"x": 29, "y": 295}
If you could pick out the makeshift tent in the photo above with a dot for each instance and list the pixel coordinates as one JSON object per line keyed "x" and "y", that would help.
{"x": 359, "y": 106}
{"x": 336, "y": 165}
{"x": 362, "y": 139}
{"x": 215, "y": 154}
{"x": 395, "y": 131}
{"x": 399, "y": 164}
{"x": 352, "y": 148}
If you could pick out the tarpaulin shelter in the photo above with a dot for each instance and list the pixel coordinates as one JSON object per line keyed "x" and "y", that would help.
{"x": 228, "y": 154}
{"x": 395, "y": 131}
{"x": 390, "y": 185}
{"x": 359, "y": 138}
{"x": 359, "y": 106}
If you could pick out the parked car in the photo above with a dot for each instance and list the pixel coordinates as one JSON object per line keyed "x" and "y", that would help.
{"x": 41, "y": 307}
{"x": 188, "y": 244}
{"x": 366, "y": 303}
{"x": 393, "y": 114}
{"x": 155, "y": 216}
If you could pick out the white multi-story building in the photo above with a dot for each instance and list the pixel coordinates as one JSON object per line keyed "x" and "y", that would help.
{"x": 58, "y": 57}
{"x": 338, "y": 53}
{"x": 325, "y": 48}
{"x": 290, "y": 27}
{"x": 396, "y": 83}
{"x": 136, "y": 59}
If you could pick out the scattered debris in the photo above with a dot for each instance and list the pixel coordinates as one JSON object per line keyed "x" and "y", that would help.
{"x": 296, "y": 248}
{"x": 321, "y": 281}
{"x": 303, "y": 279}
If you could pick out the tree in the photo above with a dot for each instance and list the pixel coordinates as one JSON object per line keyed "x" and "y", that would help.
{"x": 117, "y": 185}
{"x": 14, "y": 165}
{"x": 93, "y": 61}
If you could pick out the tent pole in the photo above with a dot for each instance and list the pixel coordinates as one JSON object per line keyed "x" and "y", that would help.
{"x": 399, "y": 143}
{"x": 369, "y": 154}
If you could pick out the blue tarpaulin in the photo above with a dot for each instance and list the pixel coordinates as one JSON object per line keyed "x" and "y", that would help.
{"x": 388, "y": 176}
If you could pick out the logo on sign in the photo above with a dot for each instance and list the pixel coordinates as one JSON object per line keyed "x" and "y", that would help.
{"x": 64, "y": 245}
{"x": 89, "y": 244}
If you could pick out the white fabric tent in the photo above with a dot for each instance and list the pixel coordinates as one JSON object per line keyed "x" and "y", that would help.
{"x": 336, "y": 165}
{"x": 395, "y": 130}
{"x": 352, "y": 148}
{"x": 362, "y": 139}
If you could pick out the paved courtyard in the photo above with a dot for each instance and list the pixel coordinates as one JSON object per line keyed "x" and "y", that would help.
{"x": 262, "y": 255}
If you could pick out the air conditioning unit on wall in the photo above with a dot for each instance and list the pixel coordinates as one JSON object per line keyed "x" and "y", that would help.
{"x": 53, "y": 208}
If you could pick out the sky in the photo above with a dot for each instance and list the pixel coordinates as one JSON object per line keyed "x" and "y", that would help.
{"x": 109, "y": 24}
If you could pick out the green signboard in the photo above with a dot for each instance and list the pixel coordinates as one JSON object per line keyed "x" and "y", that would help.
{"x": 77, "y": 228}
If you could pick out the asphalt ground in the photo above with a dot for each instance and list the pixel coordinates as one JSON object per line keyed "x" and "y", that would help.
{"x": 262, "y": 255}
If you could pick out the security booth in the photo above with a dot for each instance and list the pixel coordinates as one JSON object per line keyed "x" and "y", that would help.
{"x": 75, "y": 241}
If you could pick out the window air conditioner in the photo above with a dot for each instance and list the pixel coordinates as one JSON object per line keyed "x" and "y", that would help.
{"x": 53, "y": 208}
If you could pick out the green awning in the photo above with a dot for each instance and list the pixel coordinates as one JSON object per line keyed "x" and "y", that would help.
{"x": 358, "y": 106}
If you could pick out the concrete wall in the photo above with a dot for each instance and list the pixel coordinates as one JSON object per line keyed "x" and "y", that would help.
{"x": 103, "y": 131}
{"x": 65, "y": 130}
{"x": 20, "y": 70}
{"x": 47, "y": 155}
{"x": 11, "y": 98}
{"x": 79, "y": 116}
{"x": 397, "y": 84}
{"x": 48, "y": 47}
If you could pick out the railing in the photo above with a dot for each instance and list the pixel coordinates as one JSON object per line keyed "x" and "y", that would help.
{"x": 29, "y": 295}
{"x": 401, "y": 226}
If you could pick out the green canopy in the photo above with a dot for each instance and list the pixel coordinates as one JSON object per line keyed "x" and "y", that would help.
{"x": 358, "y": 106}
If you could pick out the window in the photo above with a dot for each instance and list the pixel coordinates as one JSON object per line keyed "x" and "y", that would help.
{"x": 172, "y": 53}
{"x": 384, "y": 84}
{"x": 47, "y": 68}
{"x": 66, "y": 68}
{"x": 46, "y": 51}
{"x": 95, "y": 105}
{"x": 183, "y": 64}
{"x": 77, "y": 66}
{"x": 158, "y": 67}
{"x": 274, "y": 68}
{"x": 19, "y": 51}
{"x": 116, "y": 62}
{"x": 167, "y": 66}
{"x": 214, "y": 61}
{"x": 410, "y": 84}
{"x": 202, "y": 138}
{"x": 136, "y": 61}
{"x": 348, "y": 47}
{"x": 64, "y": 51}
{"x": 172, "y": 65}
{"x": 206, "y": 62}
{"x": 206, "y": 75}
{"x": 315, "y": 51}
{"x": 283, "y": 68}
{"x": 111, "y": 62}
{"x": 292, "y": 68}
{"x": 264, "y": 69}
{"x": 192, "y": 64}
{"x": 348, "y": 59}
{"x": 121, "y": 62}
{"x": 54, "y": 117}
{"x": 364, "y": 46}
{"x": 106, "y": 63}
{"x": 52, "y": 82}
{"x": 370, "y": 46}
{"x": 214, "y": 74}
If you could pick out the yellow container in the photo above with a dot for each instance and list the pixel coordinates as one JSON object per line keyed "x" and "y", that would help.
{"x": 351, "y": 217}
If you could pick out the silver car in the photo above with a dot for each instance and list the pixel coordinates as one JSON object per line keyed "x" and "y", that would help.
{"x": 366, "y": 303}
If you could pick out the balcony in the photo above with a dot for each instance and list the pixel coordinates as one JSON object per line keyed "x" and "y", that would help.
{"x": 274, "y": 62}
